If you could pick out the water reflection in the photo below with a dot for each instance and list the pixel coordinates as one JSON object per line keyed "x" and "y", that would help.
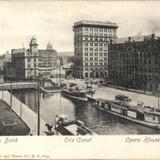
{"x": 97, "y": 120}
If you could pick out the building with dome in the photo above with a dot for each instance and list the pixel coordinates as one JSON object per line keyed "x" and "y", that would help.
{"x": 29, "y": 63}
{"x": 47, "y": 57}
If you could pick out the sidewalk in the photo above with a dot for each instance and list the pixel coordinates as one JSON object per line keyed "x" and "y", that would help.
{"x": 26, "y": 114}
{"x": 131, "y": 90}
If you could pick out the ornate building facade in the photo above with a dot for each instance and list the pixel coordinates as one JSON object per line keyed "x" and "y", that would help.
{"x": 24, "y": 62}
{"x": 91, "y": 48}
{"x": 29, "y": 63}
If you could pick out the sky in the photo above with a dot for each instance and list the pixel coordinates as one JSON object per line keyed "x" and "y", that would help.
{"x": 53, "y": 20}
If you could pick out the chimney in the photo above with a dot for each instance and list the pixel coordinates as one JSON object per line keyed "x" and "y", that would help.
{"x": 153, "y": 35}
{"x": 129, "y": 39}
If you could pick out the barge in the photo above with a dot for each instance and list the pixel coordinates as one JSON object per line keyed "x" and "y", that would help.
{"x": 143, "y": 115}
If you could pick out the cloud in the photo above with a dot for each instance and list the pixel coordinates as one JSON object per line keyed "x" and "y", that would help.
{"x": 53, "y": 20}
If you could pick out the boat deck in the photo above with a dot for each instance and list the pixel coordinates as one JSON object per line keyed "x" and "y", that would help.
{"x": 72, "y": 128}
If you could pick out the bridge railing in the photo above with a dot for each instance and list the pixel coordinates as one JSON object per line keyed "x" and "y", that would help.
{"x": 18, "y": 85}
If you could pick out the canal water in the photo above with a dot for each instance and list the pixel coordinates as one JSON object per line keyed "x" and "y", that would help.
{"x": 100, "y": 122}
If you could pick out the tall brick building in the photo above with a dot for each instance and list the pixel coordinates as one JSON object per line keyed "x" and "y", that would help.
{"x": 135, "y": 62}
{"x": 91, "y": 48}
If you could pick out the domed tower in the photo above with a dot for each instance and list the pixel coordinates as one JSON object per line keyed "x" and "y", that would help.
{"x": 49, "y": 46}
{"x": 33, "y": 45}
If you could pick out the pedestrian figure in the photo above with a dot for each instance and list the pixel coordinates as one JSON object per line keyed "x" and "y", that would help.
{"x": 49, "y": 127}
{"x": 56, "y": 121}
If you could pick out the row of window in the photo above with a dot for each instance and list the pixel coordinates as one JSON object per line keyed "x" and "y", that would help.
{"x": 95, "y": 64}
{"x": 96, "y": 54}
{"x": 94, "y": 29}
{"x": 91, "y": 49}
{"x": 91, "y": 44}
{"x": 139, "y": 77}
{"x": 95, "y": 34}
{"x": 96, "y": 59}
{"x": 96, "y": 44}
{"x": 94, "y": 39}
{"x": 132, "y": 61}
{"x": 138, "y": 69}
{"x": 91, "y": 54}
{"x": 139, "y": 54}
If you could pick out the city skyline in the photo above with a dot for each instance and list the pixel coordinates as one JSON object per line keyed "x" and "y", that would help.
{"x": 53, "y": 21}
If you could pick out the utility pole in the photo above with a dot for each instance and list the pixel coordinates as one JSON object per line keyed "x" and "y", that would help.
{"x": 2, "y": 92}
{"x": 158, "y": 101}
{"x": 60, "y": 71}
{"x": 11, "y": 95}
{"x": 21, "y": 109}
{"x": 38, "y": 108}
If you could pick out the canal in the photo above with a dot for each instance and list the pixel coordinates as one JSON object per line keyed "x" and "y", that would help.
{"x": 100, "y": 122}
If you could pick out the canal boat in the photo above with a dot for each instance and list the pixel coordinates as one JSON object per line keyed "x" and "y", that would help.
{"x": 75, "y": 93}
{"x": 65, "y": 126}
{"x": 143, "y": 115}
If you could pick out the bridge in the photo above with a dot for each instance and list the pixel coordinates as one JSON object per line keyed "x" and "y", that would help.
{"x": 18, "y": 85}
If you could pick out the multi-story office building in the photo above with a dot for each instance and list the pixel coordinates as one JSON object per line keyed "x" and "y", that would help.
{"x": 135, "y": 62}
{"x": 91, "y": 48}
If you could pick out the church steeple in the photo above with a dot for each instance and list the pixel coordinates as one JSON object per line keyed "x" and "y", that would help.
{"x": 33, "y": 45}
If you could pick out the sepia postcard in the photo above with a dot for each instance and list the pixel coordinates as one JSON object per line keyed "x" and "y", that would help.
{"x": 79, "y": 79}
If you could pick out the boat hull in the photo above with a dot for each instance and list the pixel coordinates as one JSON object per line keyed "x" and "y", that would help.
{"x": 50, "y": 91}
{"x": 144, "y": 123}
{"x": 73, "y": 129}
{"x": 69, "y": 95}
{"x": 118, "y": 113}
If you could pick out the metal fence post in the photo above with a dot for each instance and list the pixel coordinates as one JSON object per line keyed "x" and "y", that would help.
{"x": 21, "y": 109}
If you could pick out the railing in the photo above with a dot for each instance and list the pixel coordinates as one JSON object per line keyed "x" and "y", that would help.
{"x": 95, "y": 23}
{"x": 24, "y": 112}
{"x": 18, "y": 85}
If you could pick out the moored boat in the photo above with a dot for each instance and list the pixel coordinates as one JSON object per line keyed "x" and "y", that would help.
{"x": 65, "y": 126}
{"x": 75, "y": 93}
{"x": 146, "y": 116}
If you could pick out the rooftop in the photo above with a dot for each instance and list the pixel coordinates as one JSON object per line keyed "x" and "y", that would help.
{"x": 136, "y": 38}
{"x": 96, "y": 23}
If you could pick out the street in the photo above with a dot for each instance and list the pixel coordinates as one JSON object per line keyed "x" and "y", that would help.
{"x": 110, "y": 93}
